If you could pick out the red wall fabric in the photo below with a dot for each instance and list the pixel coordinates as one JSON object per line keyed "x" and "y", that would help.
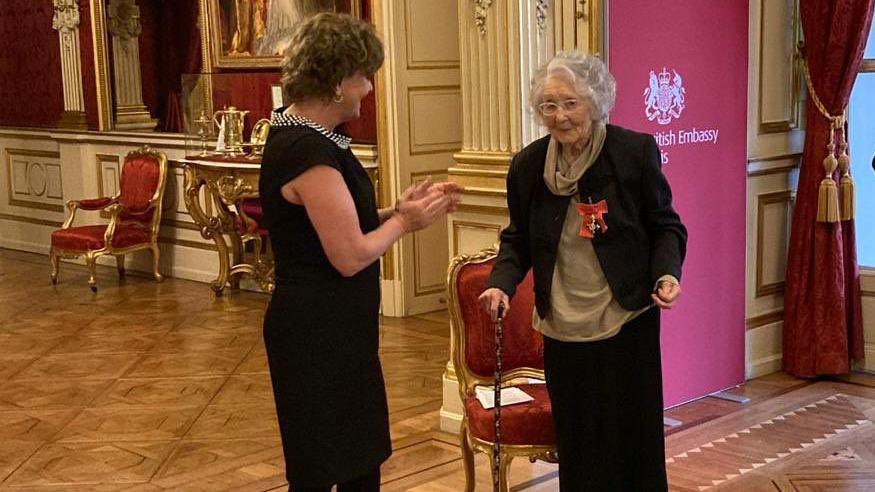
{"x": 364, "y": 128}
{"x": 249, "y": 91}
{"x": 31, "y": 88}
{"x": 823, "y": 328}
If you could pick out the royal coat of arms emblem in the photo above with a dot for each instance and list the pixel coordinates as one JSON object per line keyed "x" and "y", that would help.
{"x": 665, "y": 97}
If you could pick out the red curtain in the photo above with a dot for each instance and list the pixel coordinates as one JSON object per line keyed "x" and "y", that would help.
{"x": 170, "y": 46}
{"x": 823, "y": 329}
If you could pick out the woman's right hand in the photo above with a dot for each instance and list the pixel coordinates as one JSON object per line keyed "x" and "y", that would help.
{"x": 490, "y": 299}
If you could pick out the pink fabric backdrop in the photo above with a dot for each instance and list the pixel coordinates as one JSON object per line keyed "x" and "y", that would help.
{"x": 706, "y": 44}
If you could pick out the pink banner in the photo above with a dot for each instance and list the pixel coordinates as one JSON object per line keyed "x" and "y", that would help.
{"x": 681, "y": 69}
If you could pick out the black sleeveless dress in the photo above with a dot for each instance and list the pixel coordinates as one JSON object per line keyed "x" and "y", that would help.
{"x": 321, "y": 329}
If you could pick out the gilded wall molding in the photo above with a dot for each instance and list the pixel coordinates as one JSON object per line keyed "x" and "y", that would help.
{"x": 765, "y": 319}
{"x": 458, "y": 225}
{"x": 794, "y": 116}
{"x": 420, "y": 242}
{"x": 785, "y": 197}
{"x": 416, "y": 134}
{"x": 101, "y": 65}
{"x": 381, "y": 154}
{"x": 30, "y": 220}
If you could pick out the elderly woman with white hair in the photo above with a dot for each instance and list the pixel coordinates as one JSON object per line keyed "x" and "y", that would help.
{"x": 591, "y": 214}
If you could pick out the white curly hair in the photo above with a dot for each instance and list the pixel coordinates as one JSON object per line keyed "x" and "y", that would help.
{"x": 589, "y": 75}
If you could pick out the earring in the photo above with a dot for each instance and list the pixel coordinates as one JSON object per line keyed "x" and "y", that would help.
{"x": 338, "y": 98}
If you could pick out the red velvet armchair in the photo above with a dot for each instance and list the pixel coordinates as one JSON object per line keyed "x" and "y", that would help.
{"x": 134, "y": 218}
{"x": 527, "y": 429}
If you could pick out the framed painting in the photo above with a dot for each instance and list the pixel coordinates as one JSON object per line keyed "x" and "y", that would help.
{"x": 255, "y": 33}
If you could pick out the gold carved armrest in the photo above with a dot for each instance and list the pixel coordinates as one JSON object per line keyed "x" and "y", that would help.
{"x": 86, "y": 204}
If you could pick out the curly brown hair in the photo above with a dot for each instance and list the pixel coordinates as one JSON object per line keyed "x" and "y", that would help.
{"x": 324, "y": 50}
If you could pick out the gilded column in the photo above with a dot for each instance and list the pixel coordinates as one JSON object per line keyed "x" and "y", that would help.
{"x": 489, "y": 44}
{"x": 502, "y": 43}
{"x": 124, "y": 26}
{"x": 66, "y": 22}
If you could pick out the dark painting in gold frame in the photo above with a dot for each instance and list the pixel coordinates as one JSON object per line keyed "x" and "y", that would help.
{"x": 254, "y": 33}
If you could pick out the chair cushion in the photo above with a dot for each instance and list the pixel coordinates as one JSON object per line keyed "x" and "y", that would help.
{"x": 89, "y": 238}
{"x": 524, "y": 423}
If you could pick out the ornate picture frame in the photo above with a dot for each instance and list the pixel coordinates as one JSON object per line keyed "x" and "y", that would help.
{"x": 251, "y": 34}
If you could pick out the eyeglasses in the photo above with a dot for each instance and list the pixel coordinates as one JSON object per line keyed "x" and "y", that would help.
{"x": 551, "y": 108}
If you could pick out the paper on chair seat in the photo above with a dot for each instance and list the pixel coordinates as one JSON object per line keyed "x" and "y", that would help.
{"x": 509, "y": 396}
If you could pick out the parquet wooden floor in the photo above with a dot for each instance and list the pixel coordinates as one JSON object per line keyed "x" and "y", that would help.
{"x": 150, "y": 387}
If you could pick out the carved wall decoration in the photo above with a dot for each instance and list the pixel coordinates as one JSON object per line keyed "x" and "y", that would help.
{"x": 481, "y": 8}
{"x": 34, "y": 179}
{"x": 542, "y": 10}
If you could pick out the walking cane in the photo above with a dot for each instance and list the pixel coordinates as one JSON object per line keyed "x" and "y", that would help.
{"x": 496, "y": 446}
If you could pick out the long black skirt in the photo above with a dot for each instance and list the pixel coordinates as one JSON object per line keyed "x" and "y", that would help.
{"x": 607, "y": 405}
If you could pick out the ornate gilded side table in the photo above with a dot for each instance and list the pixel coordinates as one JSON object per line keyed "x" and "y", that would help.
{"x": 227, "y": 182}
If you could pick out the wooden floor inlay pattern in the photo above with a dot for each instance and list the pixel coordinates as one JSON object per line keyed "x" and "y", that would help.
{"x": 753, "y": 447}
{"x": 148, "y": 387}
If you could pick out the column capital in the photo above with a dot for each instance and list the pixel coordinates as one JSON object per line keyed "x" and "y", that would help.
{"x": 66, "y": 17}
{"x": 124, "y": 19}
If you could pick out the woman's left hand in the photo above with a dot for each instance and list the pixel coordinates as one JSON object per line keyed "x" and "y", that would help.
{"x": 666, "y": 296}
{"x": 424, "y": 188}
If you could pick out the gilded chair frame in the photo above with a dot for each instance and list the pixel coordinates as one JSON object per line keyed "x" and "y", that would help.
{"x": 115, "y": 209}
{"x": 468, "y": 381}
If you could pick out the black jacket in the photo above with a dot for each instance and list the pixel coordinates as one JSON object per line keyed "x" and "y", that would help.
{"x": 645, "y": 238}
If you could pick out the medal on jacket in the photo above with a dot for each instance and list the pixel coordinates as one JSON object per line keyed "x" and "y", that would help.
{"x": 593, "y": 218}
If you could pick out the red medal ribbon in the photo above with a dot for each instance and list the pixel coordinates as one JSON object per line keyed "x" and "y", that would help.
{"x": 593, "y": 218}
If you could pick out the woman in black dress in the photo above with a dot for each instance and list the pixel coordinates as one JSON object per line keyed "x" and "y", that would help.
{"x": 321, "y": 327}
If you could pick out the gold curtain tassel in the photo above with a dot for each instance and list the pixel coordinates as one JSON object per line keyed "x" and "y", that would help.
{"x": 828, "y": 196}
{"x": 848, "y": 197}
{"x": 849, "y": 204}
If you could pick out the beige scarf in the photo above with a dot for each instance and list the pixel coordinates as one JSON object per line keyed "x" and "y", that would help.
{"x": 561, "y": 177}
